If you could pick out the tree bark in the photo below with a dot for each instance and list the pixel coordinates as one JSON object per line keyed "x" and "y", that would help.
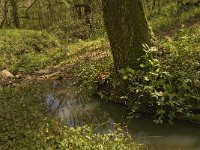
{"x": 4, "y": 9}
{"x": 127, "y": 31}
{"x": 15, "y": 13}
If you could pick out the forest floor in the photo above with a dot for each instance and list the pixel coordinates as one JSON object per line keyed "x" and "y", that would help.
{"x": 83, "y": 52}
{"x": 24, "y": 122}
{"x": 77, "y": 55}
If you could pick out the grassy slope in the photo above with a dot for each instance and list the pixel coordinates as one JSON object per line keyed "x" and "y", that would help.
{"x": 28, "y": 50}
{"x": 24, "y": 123}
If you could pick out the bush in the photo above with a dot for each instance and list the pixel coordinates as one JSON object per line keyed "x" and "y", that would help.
{"x": 92, "y": 74}
{"x": 169, "y": 82}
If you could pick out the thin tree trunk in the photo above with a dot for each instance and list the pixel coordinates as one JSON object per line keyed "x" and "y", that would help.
{"x": 4, "y": 8}
{"x": 15, "y": 13}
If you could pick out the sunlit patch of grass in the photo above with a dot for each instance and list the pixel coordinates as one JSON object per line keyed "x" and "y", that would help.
{"x": 89, "y": 50}
{"x": 94, "y": 61}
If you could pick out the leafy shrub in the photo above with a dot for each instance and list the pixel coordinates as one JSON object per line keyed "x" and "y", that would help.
{"x": 92, "y": 74}
{"x": 165, "y": 91}
{"x": 168, "y": 80}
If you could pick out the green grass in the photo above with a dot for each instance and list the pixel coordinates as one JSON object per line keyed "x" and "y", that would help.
{"x": 84, "y": 51}
{"x": 28, "y": 50}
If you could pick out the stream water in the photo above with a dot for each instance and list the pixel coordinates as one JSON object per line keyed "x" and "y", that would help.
{"x": 65, "y": 103}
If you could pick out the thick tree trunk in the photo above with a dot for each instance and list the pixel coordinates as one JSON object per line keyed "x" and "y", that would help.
{"x": 127, "y": 30}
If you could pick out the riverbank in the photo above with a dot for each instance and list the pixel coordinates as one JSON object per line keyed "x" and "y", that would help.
{"x": 91, "y": 63}
{"x": 25, "y": 124}
{"x": 169, "y": 77}
{"x": 24, "y": 121}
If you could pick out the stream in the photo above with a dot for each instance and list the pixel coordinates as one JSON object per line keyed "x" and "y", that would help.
{"x": 64, "y": 102}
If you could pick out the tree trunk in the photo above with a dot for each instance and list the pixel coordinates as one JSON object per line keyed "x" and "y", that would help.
{"x": 4, "y": 9}
{"x": 15, "y": 13}
{"x": 127, "y": 31}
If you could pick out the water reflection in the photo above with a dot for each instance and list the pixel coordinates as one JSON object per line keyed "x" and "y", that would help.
{"x": 65, "y": 103}
{"x": 73, "y": 109}
{"x": 180, "y": 136}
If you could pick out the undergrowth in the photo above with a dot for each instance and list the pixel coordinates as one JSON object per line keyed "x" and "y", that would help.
{"x": 93, "y": 74}
{"x": 167, "y": 18}
{"x": 168, "y": 82}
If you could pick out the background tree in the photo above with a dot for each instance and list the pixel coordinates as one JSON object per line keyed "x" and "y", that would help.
{"x": 4, "y": 13}
{"x": 127, "y": 30}
{"x": 15, "y": 15}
